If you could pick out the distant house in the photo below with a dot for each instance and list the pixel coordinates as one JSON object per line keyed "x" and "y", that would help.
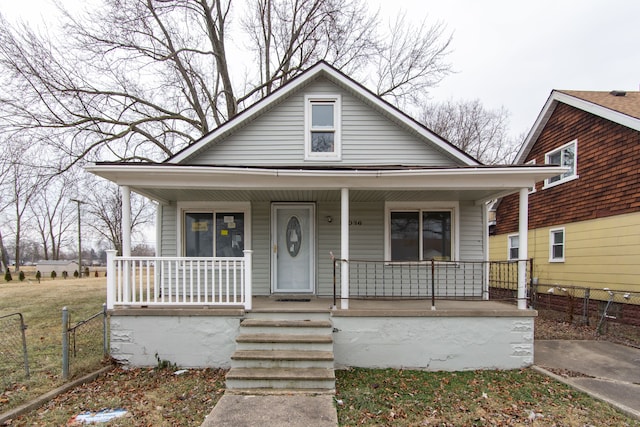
{"x": 46, "y": 267}
{"x": 584, "y": 224}
{"x": 322, "y": 208}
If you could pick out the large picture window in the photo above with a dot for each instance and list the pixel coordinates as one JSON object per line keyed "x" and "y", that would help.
{"x": 213, "y": 233}
{"x": 418, "y": 235}
{"x": 567, "y": 156}
{"x": 322, "y": 127}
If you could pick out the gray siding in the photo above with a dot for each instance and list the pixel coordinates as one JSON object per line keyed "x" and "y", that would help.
{"x": 472, "y": 231}
{"x": 366, "y": 234}
{"x": 168, "y": 236}
{"x": 261, "y": 244}
{"x": 277, "y": 137}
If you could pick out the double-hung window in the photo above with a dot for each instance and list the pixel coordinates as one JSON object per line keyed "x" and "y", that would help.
{"x": 420, "y": 234}
{"x": 322, "y": 127}
{"x": 567, "y": 156}
{"x": 556, "y": 245}
{"x": 213, "y": 233}
{"x": 514, "y": 246}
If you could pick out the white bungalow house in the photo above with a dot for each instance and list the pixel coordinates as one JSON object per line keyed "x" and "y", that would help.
{"x": 320, "y": 206}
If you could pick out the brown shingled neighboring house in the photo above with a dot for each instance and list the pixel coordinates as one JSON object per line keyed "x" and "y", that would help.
{"x": 584, "y": 225}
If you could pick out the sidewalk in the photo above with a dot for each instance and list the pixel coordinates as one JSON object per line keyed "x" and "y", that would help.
{"x": 604, "y": 370}
{"x": 292, "y": 410}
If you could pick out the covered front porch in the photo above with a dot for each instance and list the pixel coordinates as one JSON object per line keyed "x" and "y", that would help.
{"x": 350, "y": 220}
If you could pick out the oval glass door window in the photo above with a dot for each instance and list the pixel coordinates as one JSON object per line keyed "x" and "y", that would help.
{"x": 294, "y": 236}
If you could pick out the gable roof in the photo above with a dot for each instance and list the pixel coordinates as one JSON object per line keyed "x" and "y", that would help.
{"x": 617, "y": 106}
{"x": 322, "y": 69}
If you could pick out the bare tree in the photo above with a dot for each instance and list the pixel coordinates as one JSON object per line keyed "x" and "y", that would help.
{"x": 138, "y": 80}
{"x": 54, "y": 214}
{"x": 21, "y": 181}
{"x": 105, "y": 212}
{"x": 474, "y": 129}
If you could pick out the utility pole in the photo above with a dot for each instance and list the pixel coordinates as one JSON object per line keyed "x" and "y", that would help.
{"x": 79, "y": 202}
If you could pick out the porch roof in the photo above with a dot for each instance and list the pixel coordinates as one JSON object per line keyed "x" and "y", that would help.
{"x": 172, "y": 182}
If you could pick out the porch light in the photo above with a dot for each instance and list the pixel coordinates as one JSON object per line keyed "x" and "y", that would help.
{"x": 329, "y": 219}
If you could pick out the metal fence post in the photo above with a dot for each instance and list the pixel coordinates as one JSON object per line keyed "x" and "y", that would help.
{"x": 65, "y": 343}
{"x": 23, "y": 328}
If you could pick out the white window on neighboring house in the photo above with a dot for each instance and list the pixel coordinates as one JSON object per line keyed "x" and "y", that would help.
{"x": 513, "y": 246}
{"x": 322, "y": 127}
{"x": 556, "y": 245}
{"x": 420, "y": 234}
{"x": 567, "y": 156}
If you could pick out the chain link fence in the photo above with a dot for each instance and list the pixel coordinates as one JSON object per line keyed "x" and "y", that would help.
{"x": 14, "y": 360}
{"x": 84, "y": 343}
{"x": 588, "y": 306}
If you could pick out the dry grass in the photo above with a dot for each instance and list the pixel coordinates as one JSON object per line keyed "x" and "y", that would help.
{"x": 41, "y": 306}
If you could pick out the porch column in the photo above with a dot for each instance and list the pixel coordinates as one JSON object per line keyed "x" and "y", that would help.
{"x": 126, "y": 241}
{"x": 523, "y": 232}
{"x": 344, "y": 249}
{"x": 126, "y": 220}
{"x": 248, "y": 279}
{"x": 111, "y": 278}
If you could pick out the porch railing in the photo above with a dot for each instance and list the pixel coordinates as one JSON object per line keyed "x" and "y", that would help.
{"x": 178, "y": 281}
{"x": 429, "y": 280}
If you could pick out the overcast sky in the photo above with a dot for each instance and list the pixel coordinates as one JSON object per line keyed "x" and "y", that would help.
{"x": 513, "y": 53}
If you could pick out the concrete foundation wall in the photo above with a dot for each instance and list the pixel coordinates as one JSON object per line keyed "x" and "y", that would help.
{"x": 422, "y": 342}
{"x": 186, "y": 340}
{"x": 434, "y": 343}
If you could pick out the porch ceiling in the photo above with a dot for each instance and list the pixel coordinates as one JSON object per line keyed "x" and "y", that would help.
{"x": 182, "y": 195}
{"x": 168, "y": 183}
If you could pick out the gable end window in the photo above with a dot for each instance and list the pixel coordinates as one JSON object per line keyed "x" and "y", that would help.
{"x": 567, "y": 156}
{"x": 322, "y": 127}
{"x": 556, "y": 245}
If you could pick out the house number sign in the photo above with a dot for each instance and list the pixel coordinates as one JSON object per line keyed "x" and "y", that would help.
{"x": 294, "y": 236}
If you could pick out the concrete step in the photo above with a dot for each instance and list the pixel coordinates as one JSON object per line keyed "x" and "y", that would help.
{"x": 281, "y": 378}
{"x": 283, "y": 314}
{"x": 284, "y": 342}
{"x": 282, "y": 359}
{"x": 284, "y": 326}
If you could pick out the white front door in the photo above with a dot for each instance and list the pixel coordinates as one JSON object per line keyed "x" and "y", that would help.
{"x": 293, "y": 247}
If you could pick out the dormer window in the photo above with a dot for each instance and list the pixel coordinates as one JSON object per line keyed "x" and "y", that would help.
{"x": 322, "y": 127}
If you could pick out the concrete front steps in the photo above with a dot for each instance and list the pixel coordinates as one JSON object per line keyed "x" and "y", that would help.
{"x": 280, "y": 352}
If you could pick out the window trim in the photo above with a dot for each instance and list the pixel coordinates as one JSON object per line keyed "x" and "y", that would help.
{"x": 336, "y": 100}
{"x": 551, "y": 244}
{"x": 453, "y": 207}
{"x": 213, "y": 208}
{"x": 575, "y": 175}
{"x": 509, "y": 247}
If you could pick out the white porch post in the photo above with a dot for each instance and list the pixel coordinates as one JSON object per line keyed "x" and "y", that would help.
{"x": 523, "y": 255}
{"x": 111, "y": 278}
{"x": 248, "y": 284}
{"x": 126, "y": 220}
{"x": 344, "y": 249}
{"x": 126, "y": 241}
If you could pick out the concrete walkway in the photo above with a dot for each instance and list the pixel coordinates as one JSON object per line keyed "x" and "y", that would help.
{"x": 292, "y": 410}
{"x": 606, "y": 371}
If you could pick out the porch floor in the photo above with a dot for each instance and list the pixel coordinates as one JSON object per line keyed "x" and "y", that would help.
{"x": 389, "y": 308}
